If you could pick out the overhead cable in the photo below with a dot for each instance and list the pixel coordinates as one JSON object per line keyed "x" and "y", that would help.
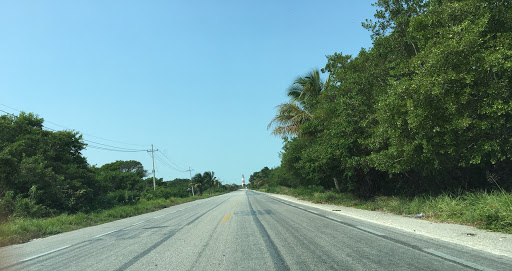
{"x": 168, "y": 165}
{"x": 180, "y": 167}
{"x": 67, "y": 128}
{"x": 117, "y": 148}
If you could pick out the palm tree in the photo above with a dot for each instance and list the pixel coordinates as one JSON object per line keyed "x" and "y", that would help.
{"x": 292, "y": 115}
{"x": 199, "y": 182}
{"x": 306, "y": 89}
{"x": 210, "y": 179}
{"x": 289, "y": 118}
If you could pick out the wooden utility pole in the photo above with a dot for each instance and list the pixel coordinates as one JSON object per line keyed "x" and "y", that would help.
{"x": 153, "y": 157}
{"x": 190, "y": 172}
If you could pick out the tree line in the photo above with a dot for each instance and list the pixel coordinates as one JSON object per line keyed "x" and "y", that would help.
{"x": 427, "y": 109}
{"x": 43, "y": 173}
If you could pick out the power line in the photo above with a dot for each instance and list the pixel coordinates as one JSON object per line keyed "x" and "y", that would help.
{"x": 180, "y": 167}
{"x": 103, "y": 146}
{"x": 107, "y": 149}
{"x": 118, "y": 148}
{"x": 7, "y": 112}
{"x": 67, "y": 128}
{"x": 168, "y": 165}
{"x": 10, "y": 108}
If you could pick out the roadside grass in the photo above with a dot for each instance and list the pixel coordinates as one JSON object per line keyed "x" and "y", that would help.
{"x": 21, "y": 230}
{"x": 484, "y": 209}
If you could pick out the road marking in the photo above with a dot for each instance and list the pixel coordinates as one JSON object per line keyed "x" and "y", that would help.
{"x": 370, "y": 231}
{"x": 43, "y": 254}
{"x": 333, "y": 218}
{"x": 105, "y": 234}
{"x": 226, "y": 218}
{"x": 159, "y": 216}
{"x": 234, "y": 204}
{"x": 461, "y": 261}
{"x": 139, "y": 223}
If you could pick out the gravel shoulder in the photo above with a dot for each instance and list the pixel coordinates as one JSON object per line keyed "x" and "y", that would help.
{"x": 493, "y": 242}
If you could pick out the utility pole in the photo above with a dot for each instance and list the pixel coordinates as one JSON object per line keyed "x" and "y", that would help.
{"x": 190, "y": 172}
{"x": 153, "y": 157}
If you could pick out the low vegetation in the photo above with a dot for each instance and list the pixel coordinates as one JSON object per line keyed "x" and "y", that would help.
{"x": 23, "y": 229}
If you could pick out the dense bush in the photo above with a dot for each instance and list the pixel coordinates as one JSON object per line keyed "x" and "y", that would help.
{"x": 43, "y": 173}
{"x": 428, "y": 109}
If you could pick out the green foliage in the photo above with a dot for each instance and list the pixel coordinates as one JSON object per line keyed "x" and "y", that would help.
{"x": 199, "y": 182}
{"x": 292, "y": 115}
{"x": 23, "y": 229}
{"x": 43, "y": 174}
{"x": 259, "y": 178}
{"x": 42, "y": 168}
{"x": 207, "y": 180}
{"x": 177, "y": 188}
{"x": 428, "y": 109}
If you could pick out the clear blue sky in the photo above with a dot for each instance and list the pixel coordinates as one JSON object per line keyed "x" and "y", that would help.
{"x": 198, "y": 79}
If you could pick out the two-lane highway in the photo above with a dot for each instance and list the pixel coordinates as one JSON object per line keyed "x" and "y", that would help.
{"x": 244, "y": 230}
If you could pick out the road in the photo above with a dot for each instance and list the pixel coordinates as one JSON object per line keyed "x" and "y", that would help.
{"x": 244, "y": 230}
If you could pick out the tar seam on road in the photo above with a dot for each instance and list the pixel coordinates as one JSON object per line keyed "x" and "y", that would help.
{"x": 369, "y": 230}
{"x": 396, "y": 241}
{"x": 85, "y": 241}
{"x": 159, "y": 243}
{"x": 203, "y": 249}
{"x": 333, "y": 218}
{"x": 275, "y": 254}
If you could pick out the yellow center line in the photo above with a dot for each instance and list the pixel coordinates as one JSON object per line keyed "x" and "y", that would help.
{"x": 226, "y": 218}
{"x": 234, "y": 204}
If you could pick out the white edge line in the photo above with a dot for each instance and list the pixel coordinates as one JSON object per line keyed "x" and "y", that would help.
{"x": 42, "y": 254}
{"x": 105, "y": 234}
{"x": 370, "y": 231}
{"x": 461, "y": 261}
{"x": 138, "y": 223}
{"x": 333, "y": 218}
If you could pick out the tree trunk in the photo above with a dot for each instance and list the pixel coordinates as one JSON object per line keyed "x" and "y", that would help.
{"x": 337, "y": 184}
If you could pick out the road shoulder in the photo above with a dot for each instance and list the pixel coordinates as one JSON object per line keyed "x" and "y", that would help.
{"x": 492, "y": 242}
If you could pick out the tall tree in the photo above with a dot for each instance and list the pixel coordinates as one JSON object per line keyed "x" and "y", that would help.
{"x": 293, "y": 114}
{"x": 209, "y": 179}
{"x": 199, "y": 182}
{"x": 289, "y": 119}
{"x": 44, "y": 165}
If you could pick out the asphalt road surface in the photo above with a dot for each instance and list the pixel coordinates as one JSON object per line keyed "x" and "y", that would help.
{"x": 244, "y": 230}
